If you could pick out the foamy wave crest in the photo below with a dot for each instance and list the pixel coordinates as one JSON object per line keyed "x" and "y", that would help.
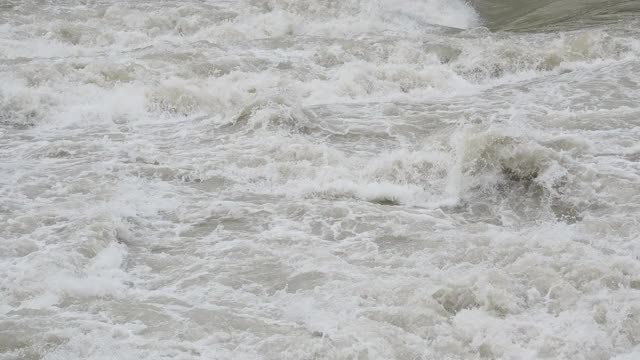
{"x": 310, "y": 17}
{"x": 449, "y": 13}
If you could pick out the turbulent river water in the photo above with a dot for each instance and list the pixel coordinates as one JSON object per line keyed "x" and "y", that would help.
{"x": 320, "y": 179}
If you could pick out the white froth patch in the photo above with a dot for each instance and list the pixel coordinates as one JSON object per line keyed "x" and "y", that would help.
{"x": 450, "y": 13}
{"x": 103, "y": 276}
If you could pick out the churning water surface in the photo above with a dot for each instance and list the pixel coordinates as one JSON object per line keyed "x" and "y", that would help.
{"x": 320, "y": 179}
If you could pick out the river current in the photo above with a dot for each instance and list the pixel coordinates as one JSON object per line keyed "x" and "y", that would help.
{"x": 320, "y": 179}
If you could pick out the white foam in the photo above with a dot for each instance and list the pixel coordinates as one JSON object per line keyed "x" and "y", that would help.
{"x": 279, "y": 179}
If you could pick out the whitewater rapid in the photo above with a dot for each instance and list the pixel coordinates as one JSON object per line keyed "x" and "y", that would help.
{"x": 319, "y": 179}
